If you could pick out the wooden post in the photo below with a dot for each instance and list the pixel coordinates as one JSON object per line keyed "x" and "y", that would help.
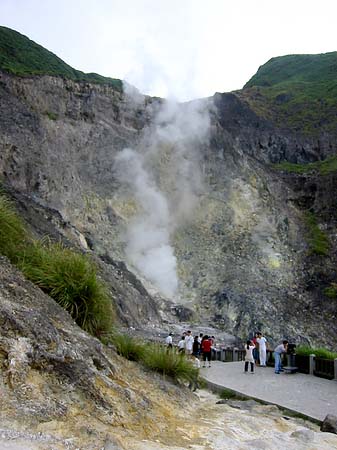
{"x": 311, "y": 364}
{"x": 335, "y": 370}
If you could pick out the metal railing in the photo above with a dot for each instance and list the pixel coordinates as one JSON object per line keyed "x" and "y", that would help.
{"x": 308, "y": 364}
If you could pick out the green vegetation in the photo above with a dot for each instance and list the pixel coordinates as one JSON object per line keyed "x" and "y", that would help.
{"x": 21, "y": 56}
{"x": 331, "y": 291}
{"x": 317, "y": 239}
{"x": 68, "y": 277}
{"x": 306, "y": 350}
{"x": 155, "y": 357}
{"x": 297, "y": 92}
{"x": 228, "y": 394}
{"x": 325, "y": 167}
{"x": 128, "y": 347}
{"x": 51, "y": 115}
{"x": 170, "y": 363}
{"x": 13, "y": 234}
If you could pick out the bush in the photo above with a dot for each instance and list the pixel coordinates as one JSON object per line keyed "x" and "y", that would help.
{"x": 323, "y": 353}
{"x": 128, "y": 347}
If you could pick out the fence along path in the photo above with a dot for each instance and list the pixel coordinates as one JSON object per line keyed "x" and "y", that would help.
{"x": 311, "y": 396}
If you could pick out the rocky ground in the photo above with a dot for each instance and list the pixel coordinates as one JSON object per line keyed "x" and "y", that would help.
{"x": 202, "y": 424}
{"x": 62, "y": 389}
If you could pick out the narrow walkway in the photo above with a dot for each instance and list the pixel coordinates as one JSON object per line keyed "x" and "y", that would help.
{"x": 312, "y": 396}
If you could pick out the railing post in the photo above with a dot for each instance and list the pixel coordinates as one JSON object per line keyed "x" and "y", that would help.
{"x": 335, "y": 370}
{"x": 235, "y": 354}
{"x": 311, "y": 364}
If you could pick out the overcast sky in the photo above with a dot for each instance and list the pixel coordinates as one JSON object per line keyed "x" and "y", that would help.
{"x": 181, "y": 48}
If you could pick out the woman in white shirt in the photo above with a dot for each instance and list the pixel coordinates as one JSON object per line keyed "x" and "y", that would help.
{"x": 249, "y": 358}
{"x": 262, "y": 341}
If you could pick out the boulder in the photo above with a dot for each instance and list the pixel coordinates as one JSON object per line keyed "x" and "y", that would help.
{"x": 329, "y": 424}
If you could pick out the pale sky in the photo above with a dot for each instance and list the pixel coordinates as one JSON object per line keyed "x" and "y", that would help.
{"x": 181, "y": 48}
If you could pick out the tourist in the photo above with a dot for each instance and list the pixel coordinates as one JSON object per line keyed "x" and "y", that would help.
{"x": 196, "y": 347}
{"x": 262, "y": 341}
{"x": 282, "y": 348}
{"x": 189, "y": 343}
{"x": 256, "y": 349}
{"x": 206, "y": 351}
{"x": 249, "y": 358}
{"x": 181, "y": 345}
{"x": 169, "y": 341}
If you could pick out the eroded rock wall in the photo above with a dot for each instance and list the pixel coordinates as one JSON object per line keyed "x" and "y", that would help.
{"x": 242, "y": 252}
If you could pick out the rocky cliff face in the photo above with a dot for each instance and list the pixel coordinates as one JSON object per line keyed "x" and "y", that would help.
{"x": 193, "y": 184}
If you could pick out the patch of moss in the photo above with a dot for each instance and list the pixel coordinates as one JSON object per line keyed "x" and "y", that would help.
{"x": 317, "y": 239}
{"x": 227, "y": 394}
{"x": 331, "y": 291}
{"x": 325, "y": 167}
{"x": 51, "y": 115}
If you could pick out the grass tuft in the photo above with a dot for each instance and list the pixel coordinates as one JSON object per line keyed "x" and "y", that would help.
{"x": 129, "y": 347}
{"x": 155, "y": 357}
{"x": 68, "y": 277}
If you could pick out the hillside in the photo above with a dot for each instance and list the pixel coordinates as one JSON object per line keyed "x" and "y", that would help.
{"x": 182, "y": 201}
{"x": 21, "y": 56}
{"x": 298, "y": 92}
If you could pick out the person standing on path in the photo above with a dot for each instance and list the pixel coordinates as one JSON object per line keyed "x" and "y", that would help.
{"x": 282, "y": 348}
{"x": 206, "y": 351}
{"x": 256, "y": 348}
{"x": 249, "y": 358}
{"x": 196, "y": 347}
{"x": 262, "y": 341}
{"x": 189, "y": 343}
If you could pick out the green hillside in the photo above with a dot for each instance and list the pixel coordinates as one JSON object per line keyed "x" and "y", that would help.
{"x": 21, "y": 56}
{"x": 297, "y": 92}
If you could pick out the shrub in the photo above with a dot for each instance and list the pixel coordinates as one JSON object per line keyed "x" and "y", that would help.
{"x": 323, "y": 353}
{"x": 128, "y": 347}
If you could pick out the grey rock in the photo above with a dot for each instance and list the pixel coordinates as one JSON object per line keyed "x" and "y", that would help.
{"x": 303, "y": 435}
{"x": 329, "y": 424}
{"x": 243, "y": 255}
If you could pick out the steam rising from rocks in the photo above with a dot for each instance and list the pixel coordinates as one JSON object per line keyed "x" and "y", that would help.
{"x": 163, "y": 176}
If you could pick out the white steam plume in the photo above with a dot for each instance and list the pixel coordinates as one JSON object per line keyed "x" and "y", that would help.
{"x": 165, "y": 180}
